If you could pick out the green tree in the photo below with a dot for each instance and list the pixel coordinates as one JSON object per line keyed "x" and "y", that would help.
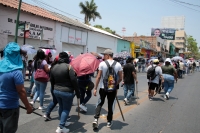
{"x": 106, "y": 29}
{"x": 89, "y": 9}
{"x": 192, "y": 46}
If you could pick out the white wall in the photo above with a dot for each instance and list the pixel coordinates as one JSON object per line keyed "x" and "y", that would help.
{"x": 59, "y": 38}
{"x": 96, "y": 39}
{"x": 7, "y": 24}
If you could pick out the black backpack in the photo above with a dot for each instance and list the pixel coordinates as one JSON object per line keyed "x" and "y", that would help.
{"x": 151, "y": 73}
{"x": 110, "y": 78}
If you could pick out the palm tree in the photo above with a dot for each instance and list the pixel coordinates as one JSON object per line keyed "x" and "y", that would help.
{"x": 90, "y": 11}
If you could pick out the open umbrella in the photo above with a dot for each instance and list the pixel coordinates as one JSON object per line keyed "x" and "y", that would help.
{"x": 123, "y": 54}
{"x": 47, "y": 46}
{"x": 29, "y": 49}
{"x": 47, "y": 51}
{"x": 85, "y": 64}
{"x": 177, "y": 58}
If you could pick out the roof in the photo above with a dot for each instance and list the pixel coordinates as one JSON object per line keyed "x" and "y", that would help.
{"x": 71, "y": 21}
{"x": 103, "y": 32}
{"x": 42, "y": 12}
{"x": 52, "y": 15}
{"x": 30, "y": 9}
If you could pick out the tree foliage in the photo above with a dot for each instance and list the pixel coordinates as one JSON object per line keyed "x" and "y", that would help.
{"x": 192, "y": 47}
{"x": 106, "y": 29}
{"x": 89, "y": 9}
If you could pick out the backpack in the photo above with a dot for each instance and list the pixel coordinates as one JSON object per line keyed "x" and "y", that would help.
{"x": 110, "y": 78}
{"x": 151, "y": 73}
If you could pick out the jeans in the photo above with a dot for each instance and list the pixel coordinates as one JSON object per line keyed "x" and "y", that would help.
{"x": 111, "y": 104}
{"x": 197, "y": 68}
{"x": 52, "y": 104}
{"x": 129, "y": 90}
{"x": 180, "y": 73}
{"x": 9, "y": 120}
{"x": 40, "y": 90}
{"x": 65, "y": 100}
{"x": 168, "y": 83}
{"x": 83, "y": 91}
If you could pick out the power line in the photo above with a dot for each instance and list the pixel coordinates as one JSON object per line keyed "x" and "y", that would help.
{"x": 187, "y": 3}
{"x": 174, "y": 1}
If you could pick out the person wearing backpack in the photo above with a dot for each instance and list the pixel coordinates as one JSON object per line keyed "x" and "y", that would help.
{"x": 154, "y": 73}
{"x": 170, "y": 75}
{"x": 109, "y": 76}
{"x": 129, "y": 78}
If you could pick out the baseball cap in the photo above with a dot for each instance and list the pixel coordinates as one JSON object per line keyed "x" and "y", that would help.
{"x": 107, "y": 51}
{"x": 155, "y": 61}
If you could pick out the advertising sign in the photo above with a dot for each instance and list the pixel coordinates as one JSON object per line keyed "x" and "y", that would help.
{"x": 164, "y": 33}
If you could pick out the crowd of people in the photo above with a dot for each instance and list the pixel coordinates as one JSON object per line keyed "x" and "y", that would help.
{"x": 65, "y": 84}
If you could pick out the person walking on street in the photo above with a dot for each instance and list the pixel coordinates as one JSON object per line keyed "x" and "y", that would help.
{"x": 12, "y": 88}
{"x": 197, "y": 66}
{"x": 129, "y": 79}
{"x": 170, "y": 75}
{"x": 154, "y": 73}
{"x": 83, "y": 82}
{"x": 181, "y": 68}
{"x": 64, "y": 83}
{"x": 103, "y": 69}
{"x": 40, "y": 63}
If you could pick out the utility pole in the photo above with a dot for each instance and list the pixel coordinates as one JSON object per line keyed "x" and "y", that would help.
{"x": 24, "y": 32}
{"x": 17, "y": 21}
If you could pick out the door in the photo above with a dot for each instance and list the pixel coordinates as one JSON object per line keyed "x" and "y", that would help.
{"x": 74, "y": 49}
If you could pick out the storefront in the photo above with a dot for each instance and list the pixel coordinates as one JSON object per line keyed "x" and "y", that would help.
{"x": 123, "y": 45}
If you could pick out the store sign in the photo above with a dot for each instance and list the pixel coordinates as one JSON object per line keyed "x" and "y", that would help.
{"x": 71, "y": 36}
{"x": 137, "y": 50}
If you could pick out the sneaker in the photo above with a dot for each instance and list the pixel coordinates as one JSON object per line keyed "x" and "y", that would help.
{"x": 167, "y": 95}
{"x": 95, "y": 124}
{"x": 47, "y": 117}
{"x": 68, "y": 118}
{"x": 109, "y": 124}
{"x": 125, "y": 101}
{"x": 42, "y": 107}
{"x": 62, "y": 130}
{"x": 150, "y": 98}
{"x": 32, "y": 103}
{"x": 38, "y": 99}
{"x": 67, "y": 124}
{"x": 83, "y": 107}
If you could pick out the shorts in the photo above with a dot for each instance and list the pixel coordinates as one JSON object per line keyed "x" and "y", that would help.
{"x": 152, "y": 86}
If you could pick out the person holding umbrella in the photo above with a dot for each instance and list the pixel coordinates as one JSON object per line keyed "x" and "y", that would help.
{"x": 103, "y": 69}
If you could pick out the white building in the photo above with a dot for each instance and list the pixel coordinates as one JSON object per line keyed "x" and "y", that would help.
{"x": 64, "y": 33}
{"x": 177, "y": 22}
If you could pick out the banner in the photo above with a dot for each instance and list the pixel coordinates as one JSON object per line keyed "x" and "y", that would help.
{"x": 164, "y": 33}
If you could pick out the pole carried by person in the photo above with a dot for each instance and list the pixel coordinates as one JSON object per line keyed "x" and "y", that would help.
{"x": 120, "y": 109}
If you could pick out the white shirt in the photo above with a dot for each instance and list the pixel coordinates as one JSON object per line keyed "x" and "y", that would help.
{"x": 158, "y": 72}
{"x": 103, "y": 67}
{"x": 197, "y": 63}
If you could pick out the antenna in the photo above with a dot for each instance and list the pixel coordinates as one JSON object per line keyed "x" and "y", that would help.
{"x": 123, "y": 30}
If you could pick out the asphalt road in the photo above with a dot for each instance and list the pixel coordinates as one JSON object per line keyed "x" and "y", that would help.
{"x": 179, "y": 114}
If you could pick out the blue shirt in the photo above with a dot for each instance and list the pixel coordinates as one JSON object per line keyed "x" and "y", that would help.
{"x": 9, "y": 98}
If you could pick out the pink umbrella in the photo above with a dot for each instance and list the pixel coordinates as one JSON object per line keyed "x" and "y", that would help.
{"x": 85, "y": 64}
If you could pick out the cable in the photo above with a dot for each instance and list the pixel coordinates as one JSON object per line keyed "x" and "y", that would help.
{"x": 184, "y": 5}
{"x": 187, "y": 3}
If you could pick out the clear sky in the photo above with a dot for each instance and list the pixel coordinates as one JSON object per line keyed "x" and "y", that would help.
{"x": 135, "y": 15}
